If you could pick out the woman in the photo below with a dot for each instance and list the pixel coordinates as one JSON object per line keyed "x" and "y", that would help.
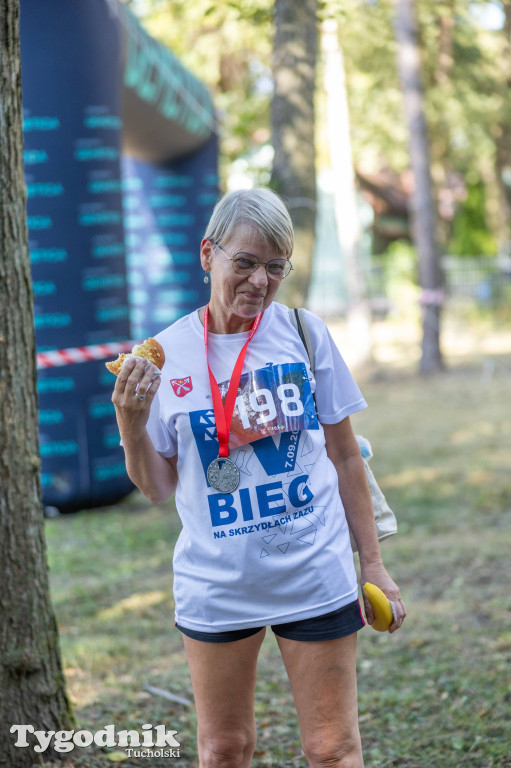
{"x": 258, "y": 483}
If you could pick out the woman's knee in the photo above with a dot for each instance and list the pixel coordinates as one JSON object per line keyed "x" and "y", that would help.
{"x": 230, "y": 749}
{"x": 334, "y": 751}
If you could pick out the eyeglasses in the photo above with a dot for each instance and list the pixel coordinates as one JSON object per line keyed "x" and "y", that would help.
{"x": 246, "y": 264}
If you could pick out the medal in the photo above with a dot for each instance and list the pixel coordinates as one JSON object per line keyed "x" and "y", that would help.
{"x": 223, "y": 474}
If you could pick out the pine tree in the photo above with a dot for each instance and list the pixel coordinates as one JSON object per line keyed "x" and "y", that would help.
{"x": 423, "y": 212}
{"x": 294, "y": 166}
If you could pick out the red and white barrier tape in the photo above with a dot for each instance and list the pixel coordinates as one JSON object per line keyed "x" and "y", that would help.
{"x": 432, "y": 297}
{"x": 72, "y": 355}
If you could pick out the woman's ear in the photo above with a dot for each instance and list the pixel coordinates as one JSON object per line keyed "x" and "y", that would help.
{"x": 206, "y": 251}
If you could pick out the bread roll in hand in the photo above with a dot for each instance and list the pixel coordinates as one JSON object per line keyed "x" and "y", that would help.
{"x": 150, "y": 349}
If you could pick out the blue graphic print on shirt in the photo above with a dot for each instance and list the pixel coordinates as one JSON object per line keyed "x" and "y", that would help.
{"x": 274, "y": 400}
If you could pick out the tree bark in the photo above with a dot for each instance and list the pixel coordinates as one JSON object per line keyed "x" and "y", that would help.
{"x": 442, "y": 79}
{"x": 294, "y": 166}
{"x": 424, "y": 224}
{"x": 502, "y": 135}
{"x": 346, "y": 205}
{"x": 32, "y": 688}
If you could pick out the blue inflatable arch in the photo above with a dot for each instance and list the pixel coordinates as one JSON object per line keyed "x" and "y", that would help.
{"x": 121, "y": 171}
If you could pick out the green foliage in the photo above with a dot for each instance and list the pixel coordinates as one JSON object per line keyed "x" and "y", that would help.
{"x": 465, "y": 71}
{"x": 228, "y": 45}
{"x": 378, "y": 130}
{"x": 465, "y": 67}
{"x": 470, "y": 230}
{"x": 464, "y": 84}
{"x": 401, "y": 272}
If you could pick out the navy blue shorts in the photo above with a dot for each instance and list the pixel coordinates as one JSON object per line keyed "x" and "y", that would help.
{"x": 344, "y": 621}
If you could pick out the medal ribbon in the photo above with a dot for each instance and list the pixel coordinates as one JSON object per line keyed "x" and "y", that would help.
{"x": 223, "y": 413}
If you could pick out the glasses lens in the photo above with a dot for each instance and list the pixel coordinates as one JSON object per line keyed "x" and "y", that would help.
{"x": 245, "y": 263}
{"x": 278, "y": 268}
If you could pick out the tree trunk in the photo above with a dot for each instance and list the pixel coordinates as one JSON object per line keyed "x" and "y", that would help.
{"x": 346, "y": 206}
{"x": 502, "y": 135}
{"x": 32, "y": 689}
{"x": 442, "y": 78}
{"x": 294, "y": 167}
{"x": 423, "y": 209}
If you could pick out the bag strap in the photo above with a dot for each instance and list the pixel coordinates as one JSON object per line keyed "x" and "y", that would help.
{"x": 385, "y": 520}
{"x": 299, "y": 321}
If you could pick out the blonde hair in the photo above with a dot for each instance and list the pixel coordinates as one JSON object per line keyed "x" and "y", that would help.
{"x": 259, "y": 208}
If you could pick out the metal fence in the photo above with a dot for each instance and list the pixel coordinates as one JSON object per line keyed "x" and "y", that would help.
{"x": 483, "y": 280}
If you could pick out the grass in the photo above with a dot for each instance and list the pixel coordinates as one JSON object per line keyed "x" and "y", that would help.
{"x": 434, "y": 694}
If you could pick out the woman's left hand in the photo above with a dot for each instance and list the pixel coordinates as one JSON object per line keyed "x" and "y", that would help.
{"x": 376, "y": 574}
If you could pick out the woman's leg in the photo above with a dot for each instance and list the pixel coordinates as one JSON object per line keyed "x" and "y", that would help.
{"x": 223, "y": 678}
{"x": 323, "y": 679}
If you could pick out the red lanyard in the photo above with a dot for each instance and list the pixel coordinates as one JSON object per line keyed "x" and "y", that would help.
{"x": 223, "y": 414}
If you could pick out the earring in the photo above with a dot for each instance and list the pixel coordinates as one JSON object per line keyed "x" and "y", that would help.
{"x": 206, "y": 277}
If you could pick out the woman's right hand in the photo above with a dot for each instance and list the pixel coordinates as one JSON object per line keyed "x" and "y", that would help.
{"x": 376, "y": 574}
{"x": 133, "y": 394}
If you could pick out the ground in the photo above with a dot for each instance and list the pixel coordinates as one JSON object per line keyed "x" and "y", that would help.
{"x": 434, "y": 694}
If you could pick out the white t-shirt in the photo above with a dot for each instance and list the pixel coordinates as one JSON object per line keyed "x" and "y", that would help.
{"x": 276, "y": 549}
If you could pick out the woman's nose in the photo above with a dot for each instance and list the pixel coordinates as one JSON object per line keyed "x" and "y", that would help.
{"x": 259, "y": 276}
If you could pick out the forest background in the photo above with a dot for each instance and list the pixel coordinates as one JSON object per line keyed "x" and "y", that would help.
{"x": 463, "y": 51}
{"x": 440, "y": 444}
{"x": 466, "y": 74}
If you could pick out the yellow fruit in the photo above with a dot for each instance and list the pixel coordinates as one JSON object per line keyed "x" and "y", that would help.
{"x": 381, "y": 607}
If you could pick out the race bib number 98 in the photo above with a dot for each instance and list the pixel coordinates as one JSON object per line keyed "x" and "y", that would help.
{"x": 274, "y": 399}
